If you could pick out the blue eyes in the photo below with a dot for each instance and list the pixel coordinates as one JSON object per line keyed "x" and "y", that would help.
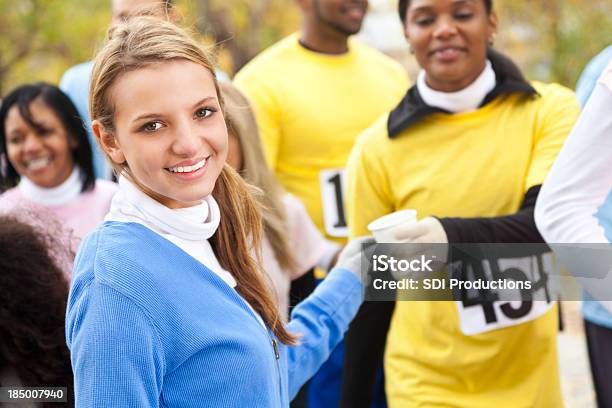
{"x": 156, "y": 125}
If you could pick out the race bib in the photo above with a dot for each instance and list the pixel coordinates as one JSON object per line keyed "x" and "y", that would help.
{"x": 478, "y": 315}
{"x": 332, "y": 193}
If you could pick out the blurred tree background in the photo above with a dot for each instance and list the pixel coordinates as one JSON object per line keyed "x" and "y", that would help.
{"x": 554, "y": 39}
{"x": 39, "y": 39}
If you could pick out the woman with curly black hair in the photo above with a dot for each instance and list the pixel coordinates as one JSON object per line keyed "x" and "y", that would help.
{"x": 33, "y": 290}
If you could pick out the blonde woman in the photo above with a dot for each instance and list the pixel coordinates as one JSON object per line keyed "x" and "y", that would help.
{"x": 167, "y": 306}
{"x": 292, "y": 244}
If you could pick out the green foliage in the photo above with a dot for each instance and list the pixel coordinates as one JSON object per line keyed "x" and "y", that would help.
{"x": 554, "y": 40}
{"x": 243, "y": 28}
{"x": 40, "y": 39}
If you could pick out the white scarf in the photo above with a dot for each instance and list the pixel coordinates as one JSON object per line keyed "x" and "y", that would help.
{"x": 467, "y": 99}
{"x": 188, "y": 228}
{"x": 69, "y": 190}
{"x": 195, "y": 223}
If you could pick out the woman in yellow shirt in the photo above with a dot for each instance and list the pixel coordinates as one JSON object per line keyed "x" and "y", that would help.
{"x": 468, "y": 147}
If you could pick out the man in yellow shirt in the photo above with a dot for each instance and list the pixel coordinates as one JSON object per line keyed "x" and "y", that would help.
{"x": 313, "y": 93}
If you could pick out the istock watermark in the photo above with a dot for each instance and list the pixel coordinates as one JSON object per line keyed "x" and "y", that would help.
{"x": 384, "y": 263}
{"x": 477, "y": 273}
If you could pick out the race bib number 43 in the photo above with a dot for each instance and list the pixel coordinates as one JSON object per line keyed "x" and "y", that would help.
{"x": 483, "y": 310}
{"x": 332, "y": 193}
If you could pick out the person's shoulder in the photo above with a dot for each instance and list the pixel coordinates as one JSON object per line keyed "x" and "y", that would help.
{"x": 286, "y": 47}
{"x": 372, "y": 145}
{"x": 13, "y": 201}
{"x": 127, "y": 237}
{"x": 362, "y": 48}
{"x": 554, "y": 103}
{"x": 271, "y": 58}
{"x": 552, "y": 89}
{"x": 554, "y": 97}
{"x": 117, "y": 267}
{"x": 376, "y": 136}
{"x": 606, "y": 76}
{"x": 120, "y": 245}
{"x": 76, "y": 75}
{"x": 293, "y": 206}
{"x": 99, "y": 197}
{"x": 80, "y": 69}
{"x": 106, "y": 188}
{"x": 601, "y": 60}
{"x": 375, "y": 57}
{"x": 127, "y": 257}
{"x": 297, "y": 217}
{"x": 10, "y": 196}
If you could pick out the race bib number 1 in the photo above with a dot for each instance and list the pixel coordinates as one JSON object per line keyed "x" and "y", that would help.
{"x": 332, "y": 193}
{"x": 479, "y": 315}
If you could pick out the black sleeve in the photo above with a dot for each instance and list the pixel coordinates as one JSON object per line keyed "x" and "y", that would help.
{"x": 367, "y": 334}
{"x": 364, "y": 347}
{"x": 301, "y": 288}
{"x": 518, "y": 227}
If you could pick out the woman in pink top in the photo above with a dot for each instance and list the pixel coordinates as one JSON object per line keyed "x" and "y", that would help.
{"x": 292, "y": 244}
{"x": 46, "y": 160}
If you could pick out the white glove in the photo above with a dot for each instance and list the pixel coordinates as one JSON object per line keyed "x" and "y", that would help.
{"x": 350, "y": 256}
{"x": 427, "y": 231}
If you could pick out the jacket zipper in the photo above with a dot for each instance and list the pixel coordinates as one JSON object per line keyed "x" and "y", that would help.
{"x": 275, "y": 345}
{"x": 276, "y": 360}
{"x": 272, "y": 341}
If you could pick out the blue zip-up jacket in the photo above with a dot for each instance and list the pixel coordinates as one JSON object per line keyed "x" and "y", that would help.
{"x": 148, "y": 325}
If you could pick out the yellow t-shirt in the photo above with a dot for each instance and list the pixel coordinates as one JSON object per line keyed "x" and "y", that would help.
{"x": 310, "y": 108}
{"x": 475, "y": 164}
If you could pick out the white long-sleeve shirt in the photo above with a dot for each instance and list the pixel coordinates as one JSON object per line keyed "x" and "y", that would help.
{"x": 575, "y": 203}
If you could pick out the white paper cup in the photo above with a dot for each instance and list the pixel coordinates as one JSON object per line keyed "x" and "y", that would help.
{"x": 382, "y": 228}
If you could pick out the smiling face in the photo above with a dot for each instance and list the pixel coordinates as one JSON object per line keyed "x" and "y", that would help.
{"x": 345, "y": 16}
{"x": 43, "y": 154}
{"x": 449, "y": 39}
{"x": 169, "y": 131}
